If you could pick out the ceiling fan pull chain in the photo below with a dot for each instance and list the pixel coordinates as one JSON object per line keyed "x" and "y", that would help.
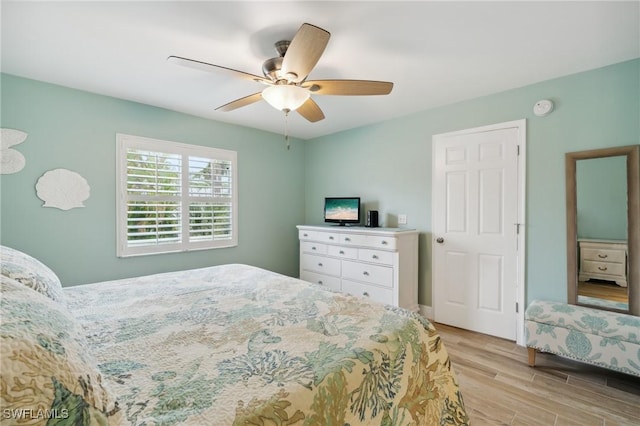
{"x": 286, "y": 128}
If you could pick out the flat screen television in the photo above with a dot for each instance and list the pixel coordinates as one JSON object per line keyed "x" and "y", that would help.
{"x": 342, "y": 210}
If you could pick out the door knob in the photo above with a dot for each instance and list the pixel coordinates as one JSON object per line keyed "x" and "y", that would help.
{"x": 439, "y": 240}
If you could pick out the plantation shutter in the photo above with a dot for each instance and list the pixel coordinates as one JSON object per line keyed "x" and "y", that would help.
{"x": 210, "y": 207}
{"x": 153, "y": 198}
{"x": 175, "y": 197}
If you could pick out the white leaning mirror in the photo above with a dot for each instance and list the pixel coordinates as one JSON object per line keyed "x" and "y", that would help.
{"x": 603, "y": 228}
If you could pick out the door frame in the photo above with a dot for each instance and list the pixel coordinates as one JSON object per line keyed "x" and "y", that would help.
{"x": 521, "y": 126}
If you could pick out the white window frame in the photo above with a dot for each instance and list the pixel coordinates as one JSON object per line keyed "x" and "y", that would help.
{"x": 125, "y": 142}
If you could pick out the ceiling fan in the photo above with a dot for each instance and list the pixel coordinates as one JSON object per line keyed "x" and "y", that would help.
{"x": 286, "y": 76}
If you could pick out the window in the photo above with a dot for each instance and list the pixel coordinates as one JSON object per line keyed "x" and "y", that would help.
{"x": 174, "y": 197}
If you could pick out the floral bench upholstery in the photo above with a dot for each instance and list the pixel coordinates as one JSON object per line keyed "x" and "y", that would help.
{"x": 602, "y": 338}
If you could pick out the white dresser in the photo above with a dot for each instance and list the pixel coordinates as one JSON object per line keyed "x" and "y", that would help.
{"x": 380, "y": 263}
{"x": 604, "y": 260}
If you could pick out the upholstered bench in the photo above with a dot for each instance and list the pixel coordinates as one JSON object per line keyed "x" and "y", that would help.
{"x": 603, "y": 338}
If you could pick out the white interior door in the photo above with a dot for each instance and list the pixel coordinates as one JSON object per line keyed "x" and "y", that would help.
{"x": 476, "y": 228}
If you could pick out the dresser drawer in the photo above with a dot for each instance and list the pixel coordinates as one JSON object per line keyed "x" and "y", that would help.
{"x": 325, "y": 265}
{"x": 320, "y": 279}
{"x": 592, "y": 267}
{"x": 308, "y": 235}
{"x": 603, "y": 255}
{"x": 388, "y": 243}
{"x": 378, "y": 294}
{"x": 323, "y": 237}
{"x": 373, "y": 241}
{"x": 381, "y": 275}
{"x": 376, "y": 256}
{"x": 328, "y": 237}
{"x": 313, "y": 247}
{"x": 344, "y": 252}
{"x": 353, "y": 239}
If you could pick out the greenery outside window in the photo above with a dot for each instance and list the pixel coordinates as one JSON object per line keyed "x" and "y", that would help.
{"x": 174, "y": 197}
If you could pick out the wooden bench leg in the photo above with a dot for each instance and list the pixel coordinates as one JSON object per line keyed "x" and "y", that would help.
{"x": 532, "y": 356}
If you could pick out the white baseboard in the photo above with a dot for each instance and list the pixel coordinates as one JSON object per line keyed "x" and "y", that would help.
{"x": 426, "y": 311}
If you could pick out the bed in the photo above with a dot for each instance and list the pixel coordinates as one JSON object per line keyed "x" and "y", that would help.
{"x": 224, "y": 345}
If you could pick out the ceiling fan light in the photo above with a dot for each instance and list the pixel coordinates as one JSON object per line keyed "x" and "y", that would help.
{"x": 285, "y": 97}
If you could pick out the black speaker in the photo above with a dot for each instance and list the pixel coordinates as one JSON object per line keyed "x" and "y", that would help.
{"x": 372, "y": 218}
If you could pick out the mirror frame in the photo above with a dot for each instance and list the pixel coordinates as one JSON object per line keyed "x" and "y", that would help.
{"x": 632, "y": 152}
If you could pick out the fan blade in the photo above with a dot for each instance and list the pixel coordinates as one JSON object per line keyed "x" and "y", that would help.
{"x": 304, "y": 52}
{"x": 348, "y": 87}
{"x": 311, "y": 111}
{"x": 203, "y": 66}
{"x": 239, "y": 103}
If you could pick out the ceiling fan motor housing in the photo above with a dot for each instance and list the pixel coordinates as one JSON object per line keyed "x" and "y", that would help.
{"x": 271, "y": 68}
{"x": 282, "y": 46}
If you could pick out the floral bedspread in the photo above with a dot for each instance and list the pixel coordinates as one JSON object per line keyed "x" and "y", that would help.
{"x": 238, "y": 345}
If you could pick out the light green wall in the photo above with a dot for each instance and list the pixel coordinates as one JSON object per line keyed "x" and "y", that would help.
{"x": 76, "y": 130}
{"x": 389, "y": 164}
{"x": 601, "y": 186}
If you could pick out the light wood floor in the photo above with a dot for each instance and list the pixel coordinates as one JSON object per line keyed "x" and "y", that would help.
{"x": 603, "y": 290}
{"x": 499, "y": 388}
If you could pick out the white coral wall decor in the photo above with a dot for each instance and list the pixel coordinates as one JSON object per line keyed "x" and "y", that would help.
{"x": 12, "y": 161}
{"x": 62, "y": 189}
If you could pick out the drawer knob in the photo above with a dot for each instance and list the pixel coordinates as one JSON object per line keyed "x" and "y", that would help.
{"x": 365, "y": 273}
{"x": 384, "y": 242}
{"x": 603, "y": 256}
{"x": 602, "y": 268}
{"x": 320, "y": 264}
{"x": 313, "y": 248}
{"x": 341, "y": 251}
{"x": 347, "y": 239}
{"x": 331, "y": 237}
{"x": 320, "y": 282}
{"x": 375, "y": 256}
{"x": 365, "y": 294}
{"x": 305, "y": 235}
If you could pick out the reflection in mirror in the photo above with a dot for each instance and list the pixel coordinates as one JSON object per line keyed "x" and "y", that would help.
{"x": 601, "y": 215}
{"x": 603, "y": 228}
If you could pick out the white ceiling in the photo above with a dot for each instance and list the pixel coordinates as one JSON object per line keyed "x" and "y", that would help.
{"x": 435, "y": 52}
